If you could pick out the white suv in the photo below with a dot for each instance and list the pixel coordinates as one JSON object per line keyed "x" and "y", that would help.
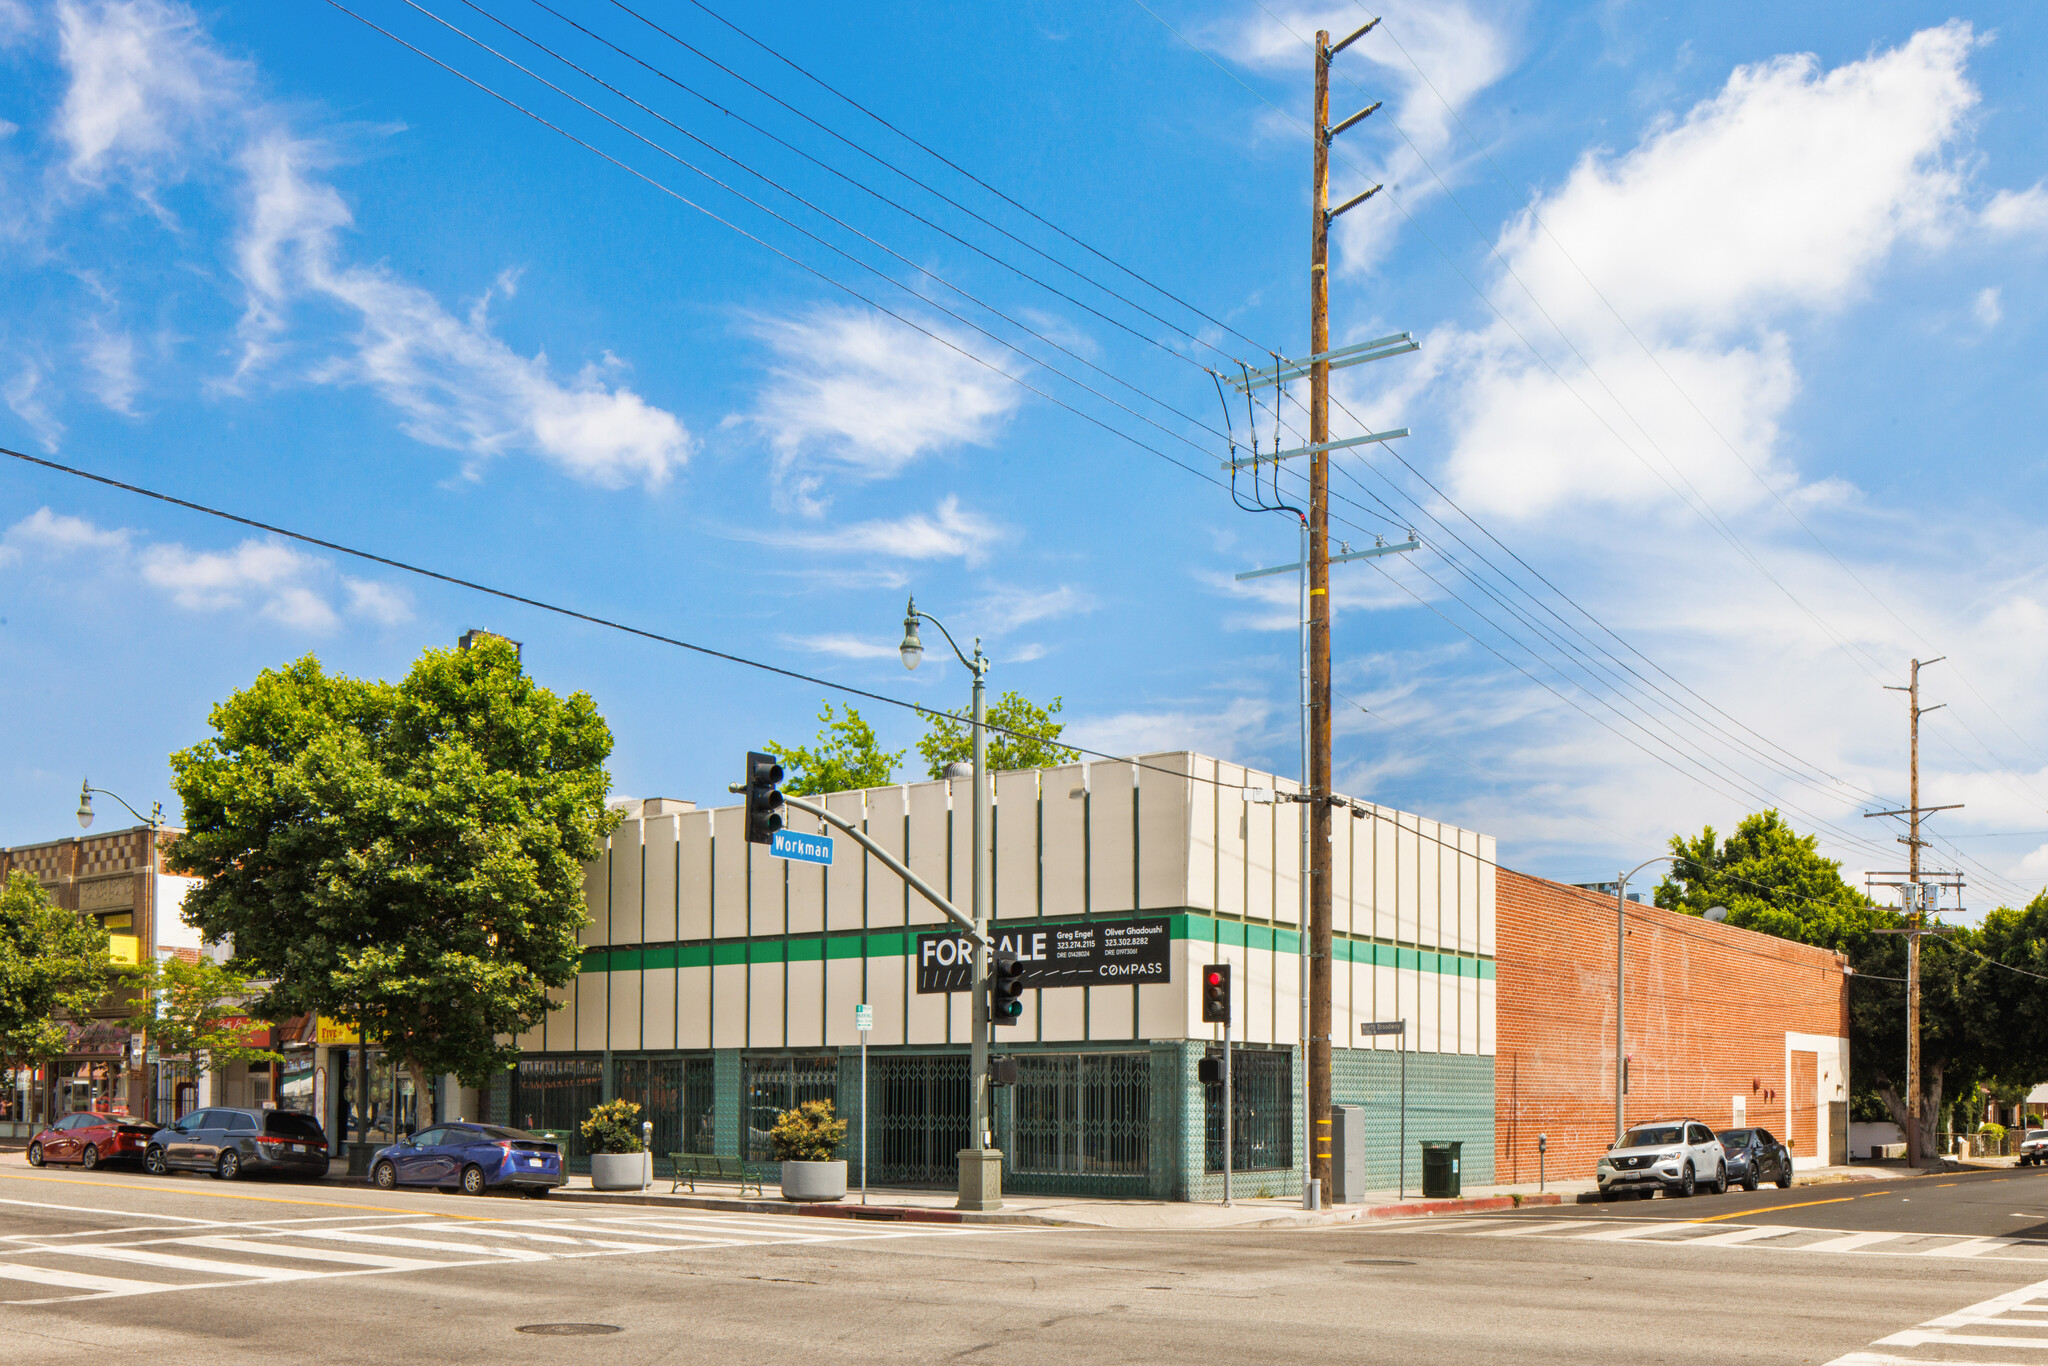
{"x": 2034, "y": 1148}
{"x": 1676, "y": 1155}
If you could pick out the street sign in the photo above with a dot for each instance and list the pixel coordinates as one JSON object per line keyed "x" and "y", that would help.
{"x": 863, "y": 1018}
{"x": 1371, "y": 1027}
{"x": 791, "y": 844}
{"x": 1069, "y": 954}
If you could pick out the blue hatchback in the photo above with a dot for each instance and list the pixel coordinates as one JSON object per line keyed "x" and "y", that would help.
{"x": 474, "y": 1157}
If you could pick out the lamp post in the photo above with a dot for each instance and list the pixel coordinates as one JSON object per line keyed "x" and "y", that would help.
{"x": 1716, "y": 913}
{"x": 983, "y": 1190}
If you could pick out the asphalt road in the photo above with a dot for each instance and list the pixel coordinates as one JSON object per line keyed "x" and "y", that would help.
{"x": 190, "y": 1269}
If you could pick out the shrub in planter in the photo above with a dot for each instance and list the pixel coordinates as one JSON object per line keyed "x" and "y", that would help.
{"x": 804, "y": 1140}
{"x": 618, "y": 1159}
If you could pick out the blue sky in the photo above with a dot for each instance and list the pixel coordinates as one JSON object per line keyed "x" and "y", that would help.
{"x": 1728, "y": 401}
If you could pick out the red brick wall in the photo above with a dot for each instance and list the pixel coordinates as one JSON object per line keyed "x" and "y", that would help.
{"x": 1708, "y": 1010}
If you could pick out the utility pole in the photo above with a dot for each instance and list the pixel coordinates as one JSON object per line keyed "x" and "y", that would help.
{"x": 1318, "y": 813}
{"x": 1315, "y": 567}
{"x": 1914, "y": 902}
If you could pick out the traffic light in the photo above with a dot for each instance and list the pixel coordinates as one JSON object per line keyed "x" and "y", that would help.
{"x": 1005, "y": 988}
{"x": 1216, "y": 994}
{"x": 764, "y": 798}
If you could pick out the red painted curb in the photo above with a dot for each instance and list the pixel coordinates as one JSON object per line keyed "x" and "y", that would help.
{"x": 1420, "y": 1209}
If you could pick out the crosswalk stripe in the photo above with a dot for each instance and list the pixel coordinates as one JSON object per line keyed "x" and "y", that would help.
{"x": 1736, "y": 1236}
{"x": 1849, "y": 1241}
{"x": 172, "y": 1262}
{"x": 1615, "y": 1235}
{"x": 1518, "y": 1230}
{"x": 311, "y": 1254}
{"x": 1975, "y": 1247}
{"x": 75, "y": 1280}
{"x": 517, "y": 1254}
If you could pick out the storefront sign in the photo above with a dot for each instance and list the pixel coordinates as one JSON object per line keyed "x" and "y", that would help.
{"x": 248, "y": 1033}
{"x": 1060, "y": 954}
{"x": 338, "y": 1034}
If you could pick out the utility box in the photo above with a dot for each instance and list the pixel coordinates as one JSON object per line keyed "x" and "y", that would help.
{"x": 1440, "y": 1162}
{"x": 1347, "y": 1154}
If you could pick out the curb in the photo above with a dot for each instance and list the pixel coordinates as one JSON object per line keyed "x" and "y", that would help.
{"x": 1424, "y": 1209}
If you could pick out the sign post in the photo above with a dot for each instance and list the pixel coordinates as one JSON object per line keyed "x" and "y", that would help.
{"x": 1399, "y": 1029}
{"x": 863, "y": 1020}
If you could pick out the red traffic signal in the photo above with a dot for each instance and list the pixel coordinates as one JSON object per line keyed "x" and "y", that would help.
{"x": 1216, "y": 994}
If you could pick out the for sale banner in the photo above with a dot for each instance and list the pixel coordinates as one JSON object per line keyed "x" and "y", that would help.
{"x": 1055, "y": 954}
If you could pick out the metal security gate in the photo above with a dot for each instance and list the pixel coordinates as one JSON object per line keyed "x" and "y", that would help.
{"x": 555, "y": 1095}
{"x": 676, "y": 1095}
{"x": 772, "y": 1085}
{"x": 918, "y": 1120}
{"x": 1263, "y": 1117}
{"x": 1079, "y": 1122}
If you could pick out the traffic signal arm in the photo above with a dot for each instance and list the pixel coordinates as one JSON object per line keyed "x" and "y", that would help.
{"x": 892, "y": 863}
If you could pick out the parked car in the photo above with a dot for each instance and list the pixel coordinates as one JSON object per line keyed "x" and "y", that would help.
{"x": 1671, "y": 1155}
{"x": 475, "y": 1157}
{"x": 1754, "y": 1156}
{"x": 2034, "y": 1148}
{"x": 90, "y": 1138}
{"x": 231, "y": 1143}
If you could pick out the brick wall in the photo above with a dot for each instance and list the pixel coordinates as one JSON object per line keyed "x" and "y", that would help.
{"x": 1709, "y": 1008}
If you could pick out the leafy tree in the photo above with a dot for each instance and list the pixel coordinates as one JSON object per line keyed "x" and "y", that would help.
{"x": 408, "y": 856}
{"x": 196, "y": 1009}
{"x": 1774, "y": 880}
{"x": 1028, "y": 738}
{"x": 53, "y": 964}
{"x": 847, "y": 757}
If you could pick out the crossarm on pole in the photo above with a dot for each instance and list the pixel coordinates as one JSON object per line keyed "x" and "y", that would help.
{"x": 890, "y": 862}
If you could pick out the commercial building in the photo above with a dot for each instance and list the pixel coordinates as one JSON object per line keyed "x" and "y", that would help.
{"x": 719, "y": 984}
{"x": 117, "y": 877}
{"x": 1723, "y": 1025}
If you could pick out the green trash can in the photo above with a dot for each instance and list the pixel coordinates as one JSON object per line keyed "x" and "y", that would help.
{"x": 1440, "y": 1179}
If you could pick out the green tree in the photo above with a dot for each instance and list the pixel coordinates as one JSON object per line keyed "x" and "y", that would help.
{"x": 1774, "y": 880}
{"x": 54, "y": 969}
{"x": 1028, "y": 738}
{"x": 847, "y": 757}
{"x": 197, "y": 1009}
{"x": 408, "y": 856}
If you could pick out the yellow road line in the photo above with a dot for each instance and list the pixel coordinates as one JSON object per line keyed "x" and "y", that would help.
{"x": 235, "y": 1195}
{"x": 1745, "y": 1213}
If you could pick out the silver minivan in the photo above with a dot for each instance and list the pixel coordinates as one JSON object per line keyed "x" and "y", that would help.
{"x": 1678, "y": 1156}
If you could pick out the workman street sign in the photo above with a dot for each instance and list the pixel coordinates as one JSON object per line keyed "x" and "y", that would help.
{"x": 1371, "y": 1027}
{"x": 1060, "y": 954}
{"x": 791, "y": 844}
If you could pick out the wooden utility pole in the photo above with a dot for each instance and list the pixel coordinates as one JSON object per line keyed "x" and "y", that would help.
{"x": 1318, "y": 813}
{"x": 1915, "y": 903}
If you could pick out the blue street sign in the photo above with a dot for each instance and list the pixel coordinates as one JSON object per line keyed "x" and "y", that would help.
{"x": 801, "y": 847}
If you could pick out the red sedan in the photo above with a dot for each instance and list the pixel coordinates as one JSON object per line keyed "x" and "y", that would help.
{"x": 90, "y": 1139}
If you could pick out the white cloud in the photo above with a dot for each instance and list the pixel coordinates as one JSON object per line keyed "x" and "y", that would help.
{"x": 265, "y": 577}
{"x": 1986, "y": 309}
{"x": 845, "y": 647}
{"x": 947, "y": 533}
{"x": 378, "y": 602}
{"x": 1003, "y": 610}
{"x": 110, "y": 367}
{"x": 2012, "y": 212}
{"x": 51, "y": 533}
{"x": 458, "y": 386}
{"x": 866, "y": 395}
{"x": 17, "y": 21}
{"x": 1836, "y": 168}
{"x": 146, "y": 86}
{"x": 27, "y": 396}
{"x": 1456, "y": 48}
{"x": 151, "y": 99}
{"x": 1238, "y": 727}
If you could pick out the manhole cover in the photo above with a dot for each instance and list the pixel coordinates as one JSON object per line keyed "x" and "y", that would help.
{"x": 1382, "y": 1261}
{"x": 568, "y": 1330}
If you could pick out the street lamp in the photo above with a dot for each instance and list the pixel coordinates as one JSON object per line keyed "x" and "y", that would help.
{"x": 1620, "y": 979}
{"x": 154, "y": 820}
{"x": 912, "y": 650}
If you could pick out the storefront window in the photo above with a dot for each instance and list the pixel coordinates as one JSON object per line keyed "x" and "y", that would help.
{"x": 299, "y": 1083}
{"x": 777, "y": 1084}
{"x": 555, "y": 1096}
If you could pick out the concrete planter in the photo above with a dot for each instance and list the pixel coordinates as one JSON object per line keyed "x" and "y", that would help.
{"x": 621, "y": 1171}
{"x": 814, "y": 1181}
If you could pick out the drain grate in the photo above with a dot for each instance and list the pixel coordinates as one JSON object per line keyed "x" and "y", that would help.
{"x": 568, "y": 1330}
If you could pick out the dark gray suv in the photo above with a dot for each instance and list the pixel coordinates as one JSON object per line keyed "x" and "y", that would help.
{"x": 232, "y": 1143}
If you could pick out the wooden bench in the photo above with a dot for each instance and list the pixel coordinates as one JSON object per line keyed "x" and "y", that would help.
{"x": 691, "y": 1167}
